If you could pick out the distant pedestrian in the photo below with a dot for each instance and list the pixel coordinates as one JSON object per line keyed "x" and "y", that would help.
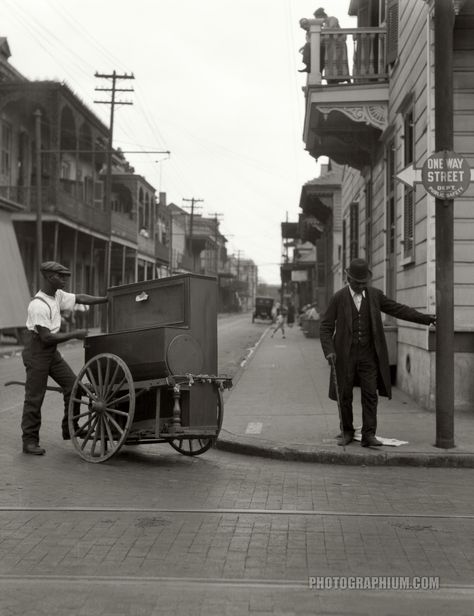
{"x": 80, "y": 315}
{"x": 353, "y": 340}
{"x": 290, "y": 314}
{"x": 312, "y": 313}
{"x": 275, "y": 311}
{"x": 279, "y": 324}
{"x": 40, "y": 355}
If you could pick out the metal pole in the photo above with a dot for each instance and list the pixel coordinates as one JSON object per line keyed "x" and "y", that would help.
{"x": 39, "y": 205}
{"x": 444, "y": 25}
{"x": 170, "y": 265}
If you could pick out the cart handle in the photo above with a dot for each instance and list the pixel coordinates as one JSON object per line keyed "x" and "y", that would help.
{"x": 49, "y": 387}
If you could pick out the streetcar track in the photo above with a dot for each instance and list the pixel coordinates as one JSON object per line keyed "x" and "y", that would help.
{"x": 226, "y": 511}
{"x": 190, "y": 581}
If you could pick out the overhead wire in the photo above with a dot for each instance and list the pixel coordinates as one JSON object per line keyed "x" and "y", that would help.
{"x": 72, "y": 63}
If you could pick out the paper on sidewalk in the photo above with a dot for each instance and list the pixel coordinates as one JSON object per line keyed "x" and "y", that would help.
{"x": 391, "y": 442}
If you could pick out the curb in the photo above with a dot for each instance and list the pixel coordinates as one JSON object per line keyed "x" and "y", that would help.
{"x": 243, "y": 366}
{"x": 270, "y": 449}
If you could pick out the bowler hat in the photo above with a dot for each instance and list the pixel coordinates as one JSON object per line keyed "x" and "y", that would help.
{"x": 359, "y": 270}
{"x": 319, "y": 13}
{"x": 53, "y": 267}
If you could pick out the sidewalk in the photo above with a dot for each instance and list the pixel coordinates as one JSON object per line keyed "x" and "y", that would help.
{"x": 279, "y": 407}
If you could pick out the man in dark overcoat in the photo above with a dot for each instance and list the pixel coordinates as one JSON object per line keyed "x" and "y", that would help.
{"x": 352, "y": 338}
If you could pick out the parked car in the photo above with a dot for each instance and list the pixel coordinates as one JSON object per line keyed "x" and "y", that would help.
{"x": 263, "y": 308}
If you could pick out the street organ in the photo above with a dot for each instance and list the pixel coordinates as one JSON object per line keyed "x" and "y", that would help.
{"x": 152, "y": 378}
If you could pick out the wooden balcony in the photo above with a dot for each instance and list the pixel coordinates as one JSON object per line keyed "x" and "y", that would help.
{"x": 124, "y": 226}
{"x": 346, "y": 92}
{"x": 146, "y": 245}
{"x": 65, "y": 202}
{"x": 162, "y": 252}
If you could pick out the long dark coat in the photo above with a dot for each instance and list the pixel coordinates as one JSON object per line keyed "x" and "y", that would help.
{"x": 336, "y": 332}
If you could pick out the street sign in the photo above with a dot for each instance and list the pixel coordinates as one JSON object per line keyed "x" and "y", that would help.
{"x": 446, "y": 175}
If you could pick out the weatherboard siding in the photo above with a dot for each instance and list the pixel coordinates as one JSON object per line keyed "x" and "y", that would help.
{"x": 463, "y": 61}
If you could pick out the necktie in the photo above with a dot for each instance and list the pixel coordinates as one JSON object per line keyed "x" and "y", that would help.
{"x": 358, "y": 300}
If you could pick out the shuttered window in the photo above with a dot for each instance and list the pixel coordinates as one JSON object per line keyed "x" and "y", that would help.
{"x": 6, "y": 152}
{"x": 354, "y": 232}
{"x": 344, "y": 245}
{"x": 408, "y": 223}
{"x": 409, "y": 193}
{"x": 392, "y": 31}
{"x": 368, "y": 222}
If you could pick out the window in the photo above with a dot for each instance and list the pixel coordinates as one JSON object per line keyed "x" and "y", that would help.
{"x": 6, "y": 149}
{"x": 354, "y": 232}
{"x": 390, "y": 214}
{"x": 65, "y": 170}
{"x": 409, "y": 193}
{"x": 392, "y": 31}
{"x": 344, "y": 245}
{"x": 368, "y": 222}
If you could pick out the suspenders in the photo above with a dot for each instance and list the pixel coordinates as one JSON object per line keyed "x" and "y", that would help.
{"x": 44, "y": 302}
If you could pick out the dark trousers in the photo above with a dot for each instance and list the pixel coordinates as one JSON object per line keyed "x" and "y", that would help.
{"x": 40, "y": 362}
{"x": 363, "y": 364}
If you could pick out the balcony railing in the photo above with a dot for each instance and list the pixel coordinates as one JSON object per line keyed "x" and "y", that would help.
{"x": 17, "y": 194}
{"x": 350, "y": 55}
{"x": 73, "y": 207}
{"x": 146, "y": 245}
{"x": 66, "y": 203}
{"x": 124, "y": 226}
{"x": 162, "y": 252}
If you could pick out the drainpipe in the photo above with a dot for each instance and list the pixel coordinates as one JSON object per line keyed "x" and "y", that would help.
{"x": 443, "y": 30}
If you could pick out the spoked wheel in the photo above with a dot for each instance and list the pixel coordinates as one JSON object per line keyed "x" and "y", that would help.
{"x": 196, "y": 446}
{"x": 101, "y": 407}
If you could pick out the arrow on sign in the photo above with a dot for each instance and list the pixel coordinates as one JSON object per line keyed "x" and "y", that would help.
{"x": 411, "y": 175}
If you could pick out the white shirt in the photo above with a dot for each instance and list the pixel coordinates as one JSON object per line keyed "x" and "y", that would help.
{"x": 357, "y": 297}
{"x": 46, "y": 311}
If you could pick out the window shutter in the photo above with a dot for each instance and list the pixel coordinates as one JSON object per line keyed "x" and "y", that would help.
{"x": 99, "y": 194}
{"x": 409, "y": 224}
{"x": 354, "y": 231}
{"x": 392, "y": 31}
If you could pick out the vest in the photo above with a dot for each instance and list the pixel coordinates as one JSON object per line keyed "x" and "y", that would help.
{"x": 361, "y": 332}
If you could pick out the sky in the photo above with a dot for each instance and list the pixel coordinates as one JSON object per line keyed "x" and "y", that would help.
{"x": 216, "y": 83}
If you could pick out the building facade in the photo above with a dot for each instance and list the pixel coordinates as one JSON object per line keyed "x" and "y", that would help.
{"x": 376, "y": 118}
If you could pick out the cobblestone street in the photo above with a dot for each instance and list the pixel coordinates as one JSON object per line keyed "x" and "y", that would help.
{"x": 153, "y": 532}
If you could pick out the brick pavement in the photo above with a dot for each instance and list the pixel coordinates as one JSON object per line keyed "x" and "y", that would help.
{"x": 117, "y": 561}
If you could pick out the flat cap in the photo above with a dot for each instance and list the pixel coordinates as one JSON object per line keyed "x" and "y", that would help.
{"x": 54, "y": 267}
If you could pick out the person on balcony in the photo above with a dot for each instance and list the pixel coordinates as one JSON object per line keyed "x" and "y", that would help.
{"x": 305, "y": 51}
{"x": 333, "y": 50}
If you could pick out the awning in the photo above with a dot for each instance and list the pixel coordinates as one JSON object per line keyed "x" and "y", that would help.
{"x": 14, "y": 295}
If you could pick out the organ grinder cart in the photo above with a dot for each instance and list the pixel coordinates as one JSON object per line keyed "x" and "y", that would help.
{"x": 153, "y": 377}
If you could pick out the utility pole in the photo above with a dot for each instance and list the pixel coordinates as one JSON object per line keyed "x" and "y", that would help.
{"x": 444, "y": 223}
{"x": 171, "y": 244}
{"x": 108, "y": 178}
{"x": 216, "y": 216}
{"x": 191, "y": 223}
{"x": 39, "y": 205}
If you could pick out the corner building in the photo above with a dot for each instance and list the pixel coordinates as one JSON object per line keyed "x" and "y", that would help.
{"x": 374, "y": 115}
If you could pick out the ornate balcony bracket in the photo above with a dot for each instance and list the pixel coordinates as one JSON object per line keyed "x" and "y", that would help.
{"x": 373, "y": 115}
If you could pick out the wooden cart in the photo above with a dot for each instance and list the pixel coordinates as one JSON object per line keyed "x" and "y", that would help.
{"x": 152, "y": 377}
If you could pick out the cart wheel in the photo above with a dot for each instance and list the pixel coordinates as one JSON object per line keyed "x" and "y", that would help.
{"x": 197, "y": 446}
{"x": 101, "y": 407}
